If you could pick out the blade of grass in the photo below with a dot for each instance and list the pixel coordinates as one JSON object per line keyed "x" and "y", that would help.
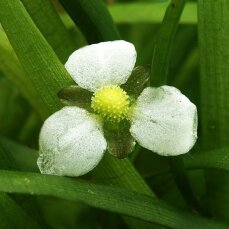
{"x": 213, "y": 31}
{"x": 43, "y": 68}
{"x": 214, "y": 159}
{"x": 163, "y": 45}
{"x": 22, "y": 157}
{"x": 160, "y": 65}
{"x": 130, "y": 13}
{"x": 13, "y": 70}
{"x": 112, "y": 199}
{"x": 14, "y": 216}
{"x": 92, "y": 18}
{"x": 51, "y": 26}
{"x": 214, "y": 52}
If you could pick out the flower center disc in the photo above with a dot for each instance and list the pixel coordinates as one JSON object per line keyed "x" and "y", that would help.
{"x": 111, "y": 102}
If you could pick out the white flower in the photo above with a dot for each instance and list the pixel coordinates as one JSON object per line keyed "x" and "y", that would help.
{"x": 162, "y": 119}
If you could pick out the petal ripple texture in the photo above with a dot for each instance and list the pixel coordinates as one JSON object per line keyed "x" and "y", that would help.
{"x": 102, "y": 64}
{"x": 71, "y": 143}
{"x": 164, "y": 121}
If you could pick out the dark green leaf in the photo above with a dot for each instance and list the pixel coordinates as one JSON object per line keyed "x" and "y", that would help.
{"x": 23, "y": 157}
{"x": 92, "y": 18}
{"x": 214, "y": 51}
{"x": 12, "y": 216}
{"x": 164, "y": 42}
{"x": 214, "y": 159}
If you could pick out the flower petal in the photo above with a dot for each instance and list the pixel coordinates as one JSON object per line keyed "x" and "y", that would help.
{"x": 102, "y": 64}
{"x": 71, "y": 143}
{"x": 164, "y": 121}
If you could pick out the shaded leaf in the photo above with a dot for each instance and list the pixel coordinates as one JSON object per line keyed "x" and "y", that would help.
{"x": 13, "y": 216}
{"x": 93, "y": 19}
{"x": 213, "y": 34}
{"x": 163, "y": 45}
{"x": 214, "y": 159}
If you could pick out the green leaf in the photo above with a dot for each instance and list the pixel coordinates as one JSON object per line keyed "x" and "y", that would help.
{"x": 119, "y": 140}
{"x": 12, "y": 216}
{"x": 76, "y": 96}
{"x": 214, "y": 51}
{"x": 11, "y": 68}
{"x": 138, "y": 80}
{"x": 92, "y": 18}
{"x": 214, "y": 159}
{"x": 164, "y": 42}
{"x": 43, "y": 68}
{"x": 149, "y": 12}
{"x": 22, "y": 157}
{"x": 112, "y": 199}
{"x": 48, "y": 22}
{"x": 13, "y": 109}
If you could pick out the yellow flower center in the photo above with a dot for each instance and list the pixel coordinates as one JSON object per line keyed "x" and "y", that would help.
{"x": 111, "y": 102}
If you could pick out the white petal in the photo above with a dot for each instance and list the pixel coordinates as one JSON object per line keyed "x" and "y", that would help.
{"x": 164, "y": 121}
{"x": 71, "y": 143}
{"x": 102, "y": 64}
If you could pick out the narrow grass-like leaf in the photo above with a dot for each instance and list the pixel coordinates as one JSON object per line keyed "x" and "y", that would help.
{"x": 113, "y": 199}
{"x": 92, "y": 18}
{"x": 43, "y": 68}
{"x": 213, "y": 159}
{"x": 164, "y": 42}
{"x": 149, "y": 12}
{"x": 159, "y": 71}
{"x": 213, "y": 33}
{"x": 22, "y": 157}
{"x": 13, "y": 215}
{"x": 49, "y": 23}
{"x": 214, "y": 52}
{"x": 13, "y": 109}
{"x": 10, "y": 66}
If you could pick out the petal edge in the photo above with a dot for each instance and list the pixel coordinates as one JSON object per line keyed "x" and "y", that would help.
{"x": 71, "y": 143}
{"x": 164, "y": 121}
{"x": 102, "y": 64}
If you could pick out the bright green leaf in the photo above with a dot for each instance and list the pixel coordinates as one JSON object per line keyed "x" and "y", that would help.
{"x": 113, "y": 199}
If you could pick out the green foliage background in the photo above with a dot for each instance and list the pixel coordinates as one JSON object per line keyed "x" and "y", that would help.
{"x": 187, "y": 45}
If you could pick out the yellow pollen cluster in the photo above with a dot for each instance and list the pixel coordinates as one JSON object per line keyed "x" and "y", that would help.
{"x": 111, "y": 102}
